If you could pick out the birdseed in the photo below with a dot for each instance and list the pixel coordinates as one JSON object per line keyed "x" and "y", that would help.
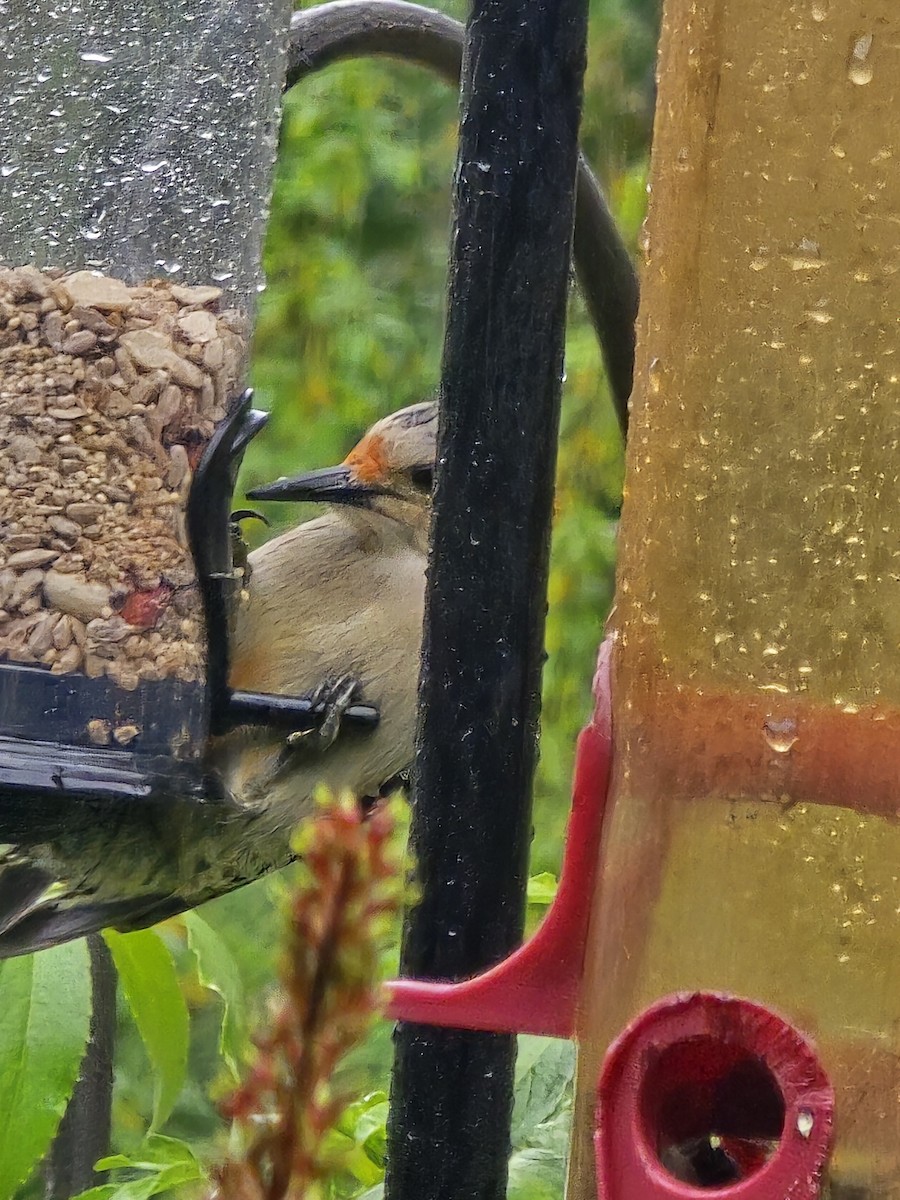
{"x": 108, "y": 396}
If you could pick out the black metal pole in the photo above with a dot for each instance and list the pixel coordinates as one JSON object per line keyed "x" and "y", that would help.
{"x": 448, "y": 1134}
{"x": 83, "y": 1134}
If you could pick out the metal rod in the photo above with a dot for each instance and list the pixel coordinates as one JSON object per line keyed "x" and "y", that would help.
{"x": 83, "y": 1135}
{"x": 449, "y": 1128}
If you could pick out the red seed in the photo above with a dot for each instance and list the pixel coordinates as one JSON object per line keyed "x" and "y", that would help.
{"x": 144, "y": 608}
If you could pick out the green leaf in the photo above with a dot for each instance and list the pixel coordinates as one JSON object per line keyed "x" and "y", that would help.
{"x": 166, "y": 1162}
{"x": 542, "y": 888}
{"x": 45, "y": 1015}
{"x": 112, "y": 1162}
{"x": 536, "y": 1175}
{"x": 143, "y": 1188}
{"x": 373, "y": 1193}
{"x": 218, "y": 971}
{"x": 544, "y": 1073}
{"x": 538, "y": 1171}
{"x": 104, "y": 1192}
{"x": 150, "y": 985}
{"x": 155, "y": 1151}
{"x": 362, "y": 1126}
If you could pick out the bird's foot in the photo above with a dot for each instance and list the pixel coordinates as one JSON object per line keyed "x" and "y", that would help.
{"x": 397, "y": 783}
{"x": 330, "y": 700}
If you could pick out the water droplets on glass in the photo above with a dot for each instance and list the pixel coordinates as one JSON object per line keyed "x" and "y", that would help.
{"x": 780, "y": 733}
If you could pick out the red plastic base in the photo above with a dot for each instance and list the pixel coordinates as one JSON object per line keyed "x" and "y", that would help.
{"x": 699, "y": 1065}
{"x": 535, "y": 990}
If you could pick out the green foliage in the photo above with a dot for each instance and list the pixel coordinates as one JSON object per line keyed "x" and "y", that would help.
{"x": 150, "y": 984}
{"x": 217, "y": 970}
{"x": 44, "y": 1024}
{"x": 540, "y": 1129}
{"x": 541, "y": 1119}
{"x": 542, "y": 889}
{"x": 161, "y": 1165}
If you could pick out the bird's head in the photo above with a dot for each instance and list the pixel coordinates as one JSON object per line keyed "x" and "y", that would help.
{"x": 387, "y": 475}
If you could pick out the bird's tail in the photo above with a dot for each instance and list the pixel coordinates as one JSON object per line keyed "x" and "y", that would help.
{"x": 126, "y": 867}
{"x": 30, "y": 919}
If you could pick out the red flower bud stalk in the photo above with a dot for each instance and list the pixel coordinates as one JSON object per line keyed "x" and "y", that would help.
{"x": 350, "y": 888}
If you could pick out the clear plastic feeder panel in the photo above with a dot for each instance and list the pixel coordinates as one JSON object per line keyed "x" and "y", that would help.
{"x": 137, "y": 145}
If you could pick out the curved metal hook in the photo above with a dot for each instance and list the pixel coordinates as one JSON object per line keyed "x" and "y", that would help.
{"x": 345, "y": 29}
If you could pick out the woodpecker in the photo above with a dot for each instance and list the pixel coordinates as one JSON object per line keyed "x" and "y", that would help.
{"x": 333, "y": 608}
{"x": 339, "y": 598}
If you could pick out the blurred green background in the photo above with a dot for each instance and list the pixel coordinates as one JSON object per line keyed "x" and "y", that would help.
{"x": 351, "y": 324}
{"x": 350, "y": 327}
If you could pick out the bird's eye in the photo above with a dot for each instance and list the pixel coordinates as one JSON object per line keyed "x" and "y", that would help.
{"x": 422, "y": 478}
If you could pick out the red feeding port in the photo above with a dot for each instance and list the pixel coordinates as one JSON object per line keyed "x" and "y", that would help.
{"x": 715, "y": 1096}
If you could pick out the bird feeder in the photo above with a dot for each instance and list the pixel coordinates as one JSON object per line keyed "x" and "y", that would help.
{"x": 723, "y": 944}
{"x": 136, "y": 157}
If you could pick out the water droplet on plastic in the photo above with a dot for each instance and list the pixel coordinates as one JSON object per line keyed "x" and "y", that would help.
{"x": 222, "y": 276}
{"x": 819, "y": 316}
{"x": 154, "y": 165}
{"x": 95, "y": 56}
{"x": 859, "y": 69}
{"x": 807, "y": 257}
{"x": 819, "y": 10}
{"x": 7, "y": 169}
{"x": 43, "y": 74}
{"x": 780, "y": 733}
{"x": 653, "y": 374}
{"x": 804, "y": 1122}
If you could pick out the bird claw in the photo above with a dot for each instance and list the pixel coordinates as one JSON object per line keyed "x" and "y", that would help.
{"x": 240, "y": 551}
{"x": 330, "y": 700}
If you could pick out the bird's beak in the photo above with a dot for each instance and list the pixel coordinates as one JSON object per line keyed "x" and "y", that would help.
{"x": 332, "y": 485}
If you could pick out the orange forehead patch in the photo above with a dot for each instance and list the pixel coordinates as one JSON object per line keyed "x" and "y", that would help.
{"x": 368, "y": 459}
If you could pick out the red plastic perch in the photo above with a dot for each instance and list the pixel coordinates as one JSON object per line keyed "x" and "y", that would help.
{"x": 535, "y": 990}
